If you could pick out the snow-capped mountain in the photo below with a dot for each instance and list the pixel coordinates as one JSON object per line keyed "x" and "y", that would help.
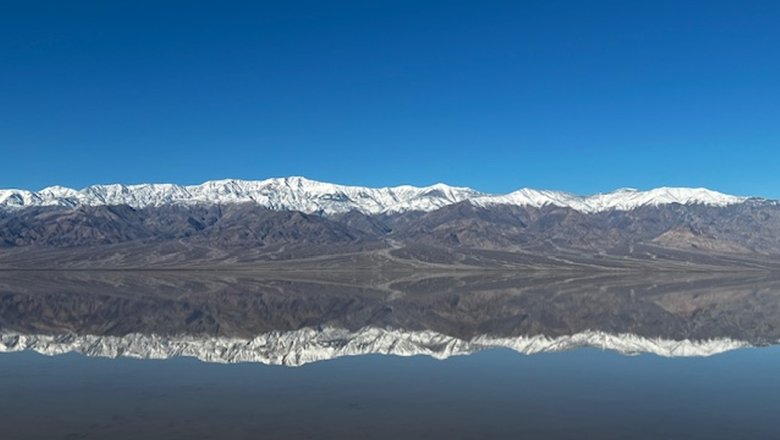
{"x": 290, "y": 193}
{"x": 624, "y": 199}
{"x": 299, "y": 347}
{"x": 301, "y": 194}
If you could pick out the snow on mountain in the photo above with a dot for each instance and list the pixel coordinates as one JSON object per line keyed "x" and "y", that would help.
{"x": 16, "y": 198}
{"x": 299, "y": 347}
{"x": 291, "y": 193}
{"x": 624, "y": 199}
{"x": 301, "y": 194}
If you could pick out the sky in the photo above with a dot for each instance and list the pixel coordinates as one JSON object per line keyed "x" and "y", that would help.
{"x": 568, "y": 95}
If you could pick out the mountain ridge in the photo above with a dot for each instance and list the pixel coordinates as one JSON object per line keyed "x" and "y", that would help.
{"x": 310, "y": 196}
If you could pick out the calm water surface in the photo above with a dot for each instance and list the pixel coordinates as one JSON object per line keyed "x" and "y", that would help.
{"x": 86, "y": 389}
{"x": 493, "y": 394}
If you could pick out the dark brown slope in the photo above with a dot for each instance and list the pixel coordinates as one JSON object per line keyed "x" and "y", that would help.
{"x": 744, "y": 228}
{"x": 231, "y": 225}
{"x": 744, "y": 236}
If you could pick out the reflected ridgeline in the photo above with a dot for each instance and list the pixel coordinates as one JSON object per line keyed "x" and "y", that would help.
{"x": 293, "y": 320}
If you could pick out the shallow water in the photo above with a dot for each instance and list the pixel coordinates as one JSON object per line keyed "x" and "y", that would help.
{"x": 419, "y": 371}
{"x": 493, "y": 394}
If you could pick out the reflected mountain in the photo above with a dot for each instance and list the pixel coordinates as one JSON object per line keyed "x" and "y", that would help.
{"x": 295, "y": 318}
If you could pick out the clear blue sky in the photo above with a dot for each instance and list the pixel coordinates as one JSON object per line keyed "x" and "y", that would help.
{"x": 582, "y": 96}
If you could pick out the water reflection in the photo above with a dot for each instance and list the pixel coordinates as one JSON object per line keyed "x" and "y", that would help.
{"x": 296, "y": 318}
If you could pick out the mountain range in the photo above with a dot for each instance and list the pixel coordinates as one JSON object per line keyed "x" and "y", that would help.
{"x": 293, "y": 222}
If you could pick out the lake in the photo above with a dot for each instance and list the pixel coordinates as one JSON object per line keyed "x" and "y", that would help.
{"x": 376, "y": 355}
